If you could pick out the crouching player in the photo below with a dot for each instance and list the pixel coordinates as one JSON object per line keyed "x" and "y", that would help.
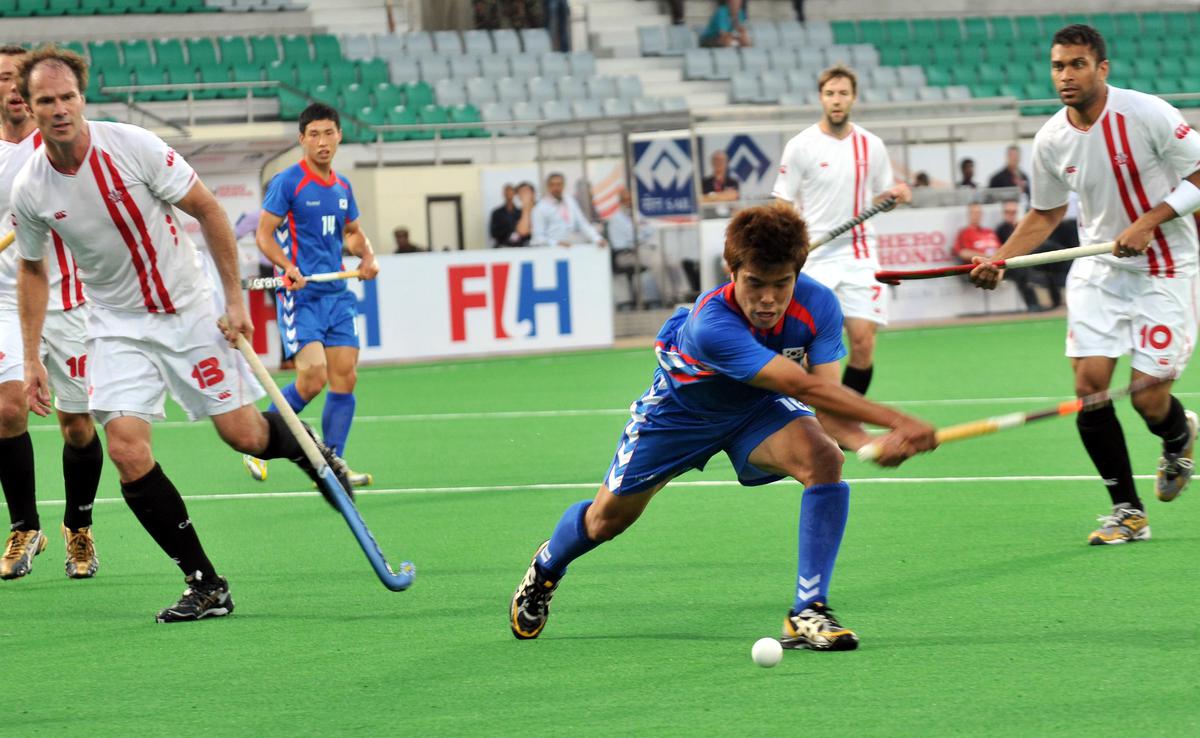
{"x": 729, "y": 379}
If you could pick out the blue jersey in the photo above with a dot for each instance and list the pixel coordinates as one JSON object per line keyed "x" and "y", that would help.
{"x": 315, "y": 213}
{"x": 709, "y": 353}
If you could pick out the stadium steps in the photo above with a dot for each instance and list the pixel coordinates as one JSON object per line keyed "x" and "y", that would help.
{"x": 356, "y": 16}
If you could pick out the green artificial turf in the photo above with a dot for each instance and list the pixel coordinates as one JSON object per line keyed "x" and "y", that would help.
{"x": 980, "y": 608}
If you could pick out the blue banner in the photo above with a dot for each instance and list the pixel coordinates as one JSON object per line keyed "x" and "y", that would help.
{"x": 663, "y": 176}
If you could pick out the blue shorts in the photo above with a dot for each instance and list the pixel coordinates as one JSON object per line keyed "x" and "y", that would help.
{"x": 330, "y": 320}
{"x": 663, "y": 440}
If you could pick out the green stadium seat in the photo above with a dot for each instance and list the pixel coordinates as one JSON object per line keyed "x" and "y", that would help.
{"x": 871, "y": 32}
{"x": 1002, "y": 28}
{"x": 355, "y": 96}
{"x": 8, "y": 8}
{"x": 981, "y": 89}
{"x": 296, "y": 49}
{"x": 249, "y": 73}
{"x": 372, "y": 72}
{"x": 1028, "y": 26}
{"x": 62, "y": 7}
{"x": 1144, "y": 67}
{"x": 179, "y": 75}
{"x": 1010, "y": 90}
{"x": 892, "y": 55}
{"x": 989, "y": 74}
{"x": 291, "y": 104}
{"x": 1019, "y": 73}
{"x": 114, "y": 76}
{"x": 937, "y": 76}
{"x": 1081, "y": 19}
{"x": 963, "y": 75}
{"x": 468, "y": 114}
{"x": 1145, "y": 84}
{"x": 96, "y": 7}
{"x": 104, "y": 54}
{"x": 945, "y": 56}
{"x": 309, "y": 76}
{"x": 844, "y": 32}
{"x": 387, "y": 95}
{"x": 1175, "y": 47}
{"x": 202, "y": 53}
{"x": 136, "y": 53}
{"x": 212, "y": 73}
{"x": 399, "y": 115}
{"x": 1149, "y": 48}
{"x": 234, "y": 52}
{"x": 923, "y": 30}
{"x": 76, "y": 46}
{"x": 156, "y": 6}
{"x": 264, "y": 50}
{"x": 976, "y": 30}
{"x": 897, "y": 30}
{"x": 949, "y": 30}
{"x": 342, "y": 74}
{"x": 151, "y": 75}
{"x": 126, "y": 6}
{"x": 418, "y": 95}
{"x": 326, "y": 48}
{"x": 282, "y": 72}
{"x": 1104, "y": 23}
{"x": 976, "y": 53}
{"x": 324, "y": 94}
{"x": 28, "y": 8}
{"x": 168, "y": 51}
{"x": 368, "y": 116}
{"x": 1128, "y": 24}
{"x": 433, "y": 114}
{"x": 1051, "y": 23}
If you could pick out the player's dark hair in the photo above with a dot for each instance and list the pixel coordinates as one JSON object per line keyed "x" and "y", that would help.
{"x": 838, "y": 71}
{"x": 766, "y": 237}
{"x": 1078, "y": 34}
{"x": 319, "y": 111}
{"x": 51, "y": 55}
{"x": 13, "y": 50}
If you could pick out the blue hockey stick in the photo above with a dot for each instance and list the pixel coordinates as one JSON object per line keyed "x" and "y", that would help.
{"x": 396, "y": 581}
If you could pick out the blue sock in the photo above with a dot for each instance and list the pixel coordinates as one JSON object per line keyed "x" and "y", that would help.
{"x": 336, "y": 420}
{"x": 293, "y": 397}
{"x": 823, "y": 512}
{"x": 569, "y": 541}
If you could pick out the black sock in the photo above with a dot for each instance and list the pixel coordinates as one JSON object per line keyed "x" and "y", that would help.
{"x": 160, "y": 510}
{"x": 281, "y": 444}
{"x": 1173, "y": 429}
{"x": 1105, "y": 443}
{"x": 81, "y": 472}
{"x": 858, "y": 379}
{"x": 17, "y": 479}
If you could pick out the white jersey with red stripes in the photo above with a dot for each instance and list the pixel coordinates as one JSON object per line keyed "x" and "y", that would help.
{"x": 1131, "y": 158}
{"x": 115, "y": 214}
{"x": 66, "y": 291}
{"x": 831, "y": 180}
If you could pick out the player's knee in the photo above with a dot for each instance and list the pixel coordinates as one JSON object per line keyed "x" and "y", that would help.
{"x": 820, "y": 463}
{"x": 606, "y": 529}
{"x": 132, "y": 457}
{"x": 14, "y": 418}
{"x": 77, "y": 430}
{"x": 1085, "y": 385}
{"x": 1152, "y": 405}
{"x": 311, "y": 381}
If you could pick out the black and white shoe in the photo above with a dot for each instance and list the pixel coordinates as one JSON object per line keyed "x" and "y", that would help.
{"x": 200, "y": 600}
{"x": 340, "y": 470}
{"x": 816, "y": 628}
{"x": 530, "y": 606}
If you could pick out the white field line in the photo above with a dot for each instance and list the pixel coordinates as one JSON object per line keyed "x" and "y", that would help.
{"x": 594, "y": 485}
{"x": 605, "y": 412}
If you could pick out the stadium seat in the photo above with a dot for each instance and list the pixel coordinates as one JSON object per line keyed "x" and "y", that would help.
{"x": 506, "y": 41}
{"x": 450, "y": 92}
{"x": 389, "y": 46}
{"x": 698, "y": 64}
{"x": 326, "y": 48}
{"x": 387, "y": 95}
{"x": 176, "y": 75}
{"x": 754, "y": 59}
{"x": 136, "y": 53}
{"x": 614, "y": 107}
{"x": 309, "y": 76}
{"x": 809, "y": 58}
{"x": 725, "y": 63}
{"x": 478, "y": 43}
{"x": 931, "y": 94}
{"x": 602, "y": 88}
{"x": 884, "y": 77}
{"x": 114, "y": 76}
{"x": 372, "y": 72}
{"x": 496, "y": 113}
{"x": 341, "y": 74}
{"x": 494, "y": 66}
{"x": 652, "y": 40}
{"x": 524, "y": 66}
{"x": 355, "y": 97}
{"x": 679, "y": 40}
{"x": 958, "y": 92}
{"x": 418, "y": 95}
{"x": 510, "y": 90}
{"x": 798, "y": 79}
{"x": 949, "y": 30}
{"x": 541, "y": 90}
{"x": 782, "y": 59}
{"x": 674, "y": 104}
{"x": 629, "y": 86}
{"x": 447, "y": 42}
{"x": 570, "y": 89}
{"x": 358, "y": 46}
{"x": 432, "y": 114}
{"x": 902, "y": 94}
{"x": 536, "y": 40}
{"x": 556, "y": 110}
{"x": 404, "y": 71}
{"x": 202, "y": 53}
{"x": 168, "y": 51}
{"x": 1002, "y": 28}
{"x": 248, "y": 73}
{"x": 844, "y": 32}
{"x": 264, "y": 50}
{"x": 399, "y": 115}
{"x": 291, "y": 104}
{"x": 481, "y": 91}
{"x": 911, "y": 76}
{"x": 324, "y": 94}
{"x": 527, "y": 111}
{"x": 763, "y": 34}
{"x": 770, "y": 88}
{"x": 646, "y": 106}
{"x": 586, "y": 109}
{"x": 554, "y": 65}
{"x": 583, "y": 64}
{"x": 433, "y": 68}
{"x": 104, "y": 54}
{"x": 418, "y": 43}
{"x": 296, "y": 49}
{"x": 976, "y": 30}
{"x": 466, "y": 114}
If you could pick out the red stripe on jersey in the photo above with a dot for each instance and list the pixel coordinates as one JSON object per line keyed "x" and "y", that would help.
{"x": 1159, "y": 238}
{"x": 295, "y": 241}
{"x": 37, "y": 139}
{"x": 123, "y": 228}
{"x": 309, "y": 174}
{"x": 862, "y": 227}
{"x": 300, "y": 186}
{"x": 60, "y": 252}
{"x": 857, "y": 195}
{"x": 1130, "y": 211}
{"x": 147, "y": 243}
{"x": 800, "y": 313}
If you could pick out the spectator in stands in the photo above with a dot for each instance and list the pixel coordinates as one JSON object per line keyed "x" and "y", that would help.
{"x": 727, "y": 26}
{"x": 503, "y": 224}
{"x": 557, "y": 219}
{"x": 620, "y": 227}
{"x": 719, "y": 187}
{"x": 1011, "y": 175}
{"x": 921, "y": 179}
{"x": 676, "y": 9}
{"x": 518, "y": 13}
{"x": 1051, "y": 276}
{"x": 975, "y": 240}
{"x": 967, "y": 167}
{"x": 558, "y": 22}
{"x": 527, "y": 196}
{"x": 403, "y": 245}
{"x": 626, "y": 261}
{"x": 799, "y": 6}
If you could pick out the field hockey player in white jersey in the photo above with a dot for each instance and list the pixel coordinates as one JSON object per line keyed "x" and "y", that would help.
{"x": 65, "y": 357}
{"x": 110, "y": 190}
{"x": 1135, "y": 165}
{"x": 831, "y": 172}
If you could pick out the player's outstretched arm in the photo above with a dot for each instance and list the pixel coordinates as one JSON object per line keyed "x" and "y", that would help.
{"x": 1031, "y": 232}
{"x": 782, "y": 375}
{"x": 222, "y": 244}
{"x": 848, "y": 433}
{"x": 33, "y": 293}
{"x": 358, "y": 244}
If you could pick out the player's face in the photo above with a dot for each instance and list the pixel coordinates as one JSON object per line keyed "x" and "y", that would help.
{"x": 56, "y": 102}
{"x": 320, "y": 141}
{"x": 837, "y": 97}
{"x": 764, "y": 294}
{"x": 14, "y": 112}
{"x": 1077, "y": 76}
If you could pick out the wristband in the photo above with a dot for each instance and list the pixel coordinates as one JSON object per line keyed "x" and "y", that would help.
{"x": 1184, "y": 199}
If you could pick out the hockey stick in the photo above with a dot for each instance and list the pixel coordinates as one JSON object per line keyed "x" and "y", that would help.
{"x": 1016, "y": 262}
{"x": 397, "y": 581}
{"x": 7, "y": 241}
{"x": 998, "y": 423}
{"x": 274, "y": 283}
{"x": 880, "y": 207}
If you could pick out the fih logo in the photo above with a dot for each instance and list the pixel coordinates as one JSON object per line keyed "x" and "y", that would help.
{"x": 663, "y": 170}
{"x": 502, "y": 281}
{"x": 746, "y": 160}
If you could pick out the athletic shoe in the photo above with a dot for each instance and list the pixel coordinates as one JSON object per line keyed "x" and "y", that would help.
{"x": 816, "y": 628}
{"x": 1175, "y": 470}
{"x": 255, "y": 467}
{"x": 82, "y": 562}
{"x": 359, "y": 479}
{"x": 1125, "y": 525}
{"x": 530, "y": 607}
{"x": 22, "y": 546}
{"x": 200, "y": 600}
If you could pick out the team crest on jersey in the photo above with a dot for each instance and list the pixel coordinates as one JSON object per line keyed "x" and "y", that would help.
{"x": 343, "y": 203}
{"x": 824, "y": 165}
{"x": 1121, "y": 159}
{"x": 170, "y": 157}
{"x": 1182, "y": 130}
{"x": 795, "y": 353}
{"x": 60, "y": 215}
{"x": 115, "y": 196}
{"x": 1071, "y": 169}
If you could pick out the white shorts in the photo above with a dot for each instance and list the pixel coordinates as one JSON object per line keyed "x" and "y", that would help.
{"x": 854, "y": 284}
{"x": 1112, "y": 312}
{"x": 63, "y": 353}
{"x": 137, "y": 358}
